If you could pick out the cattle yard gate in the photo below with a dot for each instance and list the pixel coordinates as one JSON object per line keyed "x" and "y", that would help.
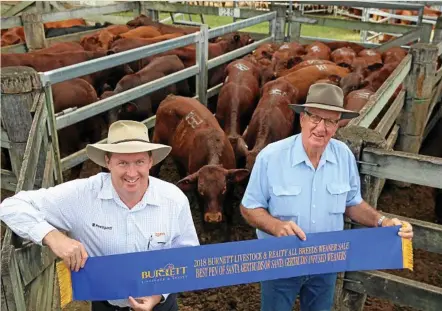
{"x": 385, "y": 138}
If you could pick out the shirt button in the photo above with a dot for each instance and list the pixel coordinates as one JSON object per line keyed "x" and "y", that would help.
{"x": 314, "y": 205}
{"x": 313, "y": 221}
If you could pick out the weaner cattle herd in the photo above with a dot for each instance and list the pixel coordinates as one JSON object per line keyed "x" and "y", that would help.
{"x": 214, "y": 147}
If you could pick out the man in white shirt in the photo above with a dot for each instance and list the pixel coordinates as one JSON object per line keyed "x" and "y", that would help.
{"x": 123, "y": 211}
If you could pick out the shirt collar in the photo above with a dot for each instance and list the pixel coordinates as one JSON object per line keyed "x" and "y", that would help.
{"x": 150, "y": 197}
{"x": 299, "y": 155}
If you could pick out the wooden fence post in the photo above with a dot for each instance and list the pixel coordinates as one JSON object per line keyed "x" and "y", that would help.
{"x": 34, "y": 31}
{"x": 419, "y": 86}
{"x": 437, "y": 37}
{"x": 356, "y": 138}
{"x": 21, "y": 90}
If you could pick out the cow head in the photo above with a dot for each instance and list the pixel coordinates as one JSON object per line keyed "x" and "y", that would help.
{"x": 351, "y": 82}
{"x": 141, "y": 20}
{"x": 212, "y": 183}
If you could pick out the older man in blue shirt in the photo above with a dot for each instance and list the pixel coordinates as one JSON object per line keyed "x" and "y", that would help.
{"x": 305, "y": 184}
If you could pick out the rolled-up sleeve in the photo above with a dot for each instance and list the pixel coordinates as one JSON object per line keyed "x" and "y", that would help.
{"x": 257, "y": 192}
{"x": 33, "y": 214}
{"x": 354, "y": 196}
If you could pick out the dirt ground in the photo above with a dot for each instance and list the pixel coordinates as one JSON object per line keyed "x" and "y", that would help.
{"x": 415, "y": 202}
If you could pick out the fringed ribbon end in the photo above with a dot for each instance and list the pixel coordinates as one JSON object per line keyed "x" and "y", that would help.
{"x": 407, "y": 254}
{"x": 65, "y": 283}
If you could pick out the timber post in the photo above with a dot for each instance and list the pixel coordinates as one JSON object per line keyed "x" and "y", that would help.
{"x": 437, "y": 37}
{"x": 17, "y": 88}
{"x": 34, "y": 31}
{"x": 357, "y": 138}
{"x": 419, "y": 86}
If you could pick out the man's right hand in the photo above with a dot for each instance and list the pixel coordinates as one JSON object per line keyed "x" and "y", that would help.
{"x": 69, "y": 250}
{"x": 285, "y": 228}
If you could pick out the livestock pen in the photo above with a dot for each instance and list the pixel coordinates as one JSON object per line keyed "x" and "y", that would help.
{"x": 372, "y": 138}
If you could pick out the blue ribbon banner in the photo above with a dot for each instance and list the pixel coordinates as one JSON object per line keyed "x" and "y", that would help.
{"x": 215, "y": 265}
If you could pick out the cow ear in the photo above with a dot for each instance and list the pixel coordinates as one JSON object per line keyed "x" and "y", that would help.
{"x": 188, "y": 183}
{"x": 237, "y": 175}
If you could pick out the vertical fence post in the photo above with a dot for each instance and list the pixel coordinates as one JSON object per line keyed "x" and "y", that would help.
{"x": 34, "y": 31}
{"x": 419, "y": 87}
{"x": 202, "y": 54}
{"x": 356, "y": 138}
{"x": 280, "y": 21}
{"x": 17, "y": 87}
{"x": 52, "y": 130}
{"x": 137, "y": 9}
{"x": 437, "y": 37}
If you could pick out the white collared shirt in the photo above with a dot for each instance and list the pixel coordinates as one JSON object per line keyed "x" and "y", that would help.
{"x": 92, "y": 213}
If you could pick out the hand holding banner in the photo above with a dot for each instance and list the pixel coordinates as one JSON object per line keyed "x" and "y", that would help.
{"x": 215, "y": 265}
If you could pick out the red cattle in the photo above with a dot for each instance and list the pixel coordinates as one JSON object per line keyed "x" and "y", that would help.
{"x": 317, "y": 50}
{"x": 344, "y": 44}
{"x": 394, "y": 55}
{"x": 265, "y": 68}
{"x": 272, "y": 119}
{"x": 12, "y": 36}
{"x": 60, "y": 47}
{"x": 375, "y": 79}
{"x": 124, "y": 44}
{"x": 265, "y": 50}
{"x": 141, "y": 32}
{"x": 77, "y": 93}
{"x": 303, "y": 64}
{"x": 49, "y": 61}
{"x": 343, "y": 56}
{"x": 303, "y": 78}
{"x": 236, "y": 102}
{"x": 372, "y": 57}
{"x": 287, "y": 56}
{"x": 103, "y": 39}
{"x": 355, "y": 101}
{"x": 65, "y": 23}
{"x": 143, "y": 20}
{"x": 202, "y": 151}
{"x": 145, "y": 106}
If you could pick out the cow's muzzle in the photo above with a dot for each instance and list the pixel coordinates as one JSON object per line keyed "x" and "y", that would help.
{"x": 213, "y": 217}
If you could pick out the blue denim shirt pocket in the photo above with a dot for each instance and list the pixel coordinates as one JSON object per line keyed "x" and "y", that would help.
{"x": 337, "y": 198}
{"x": 286, "y": 202}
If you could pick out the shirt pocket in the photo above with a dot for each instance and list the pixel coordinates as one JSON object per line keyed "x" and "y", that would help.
{"x": 286, "y": 201}
{"x": 158, "y": 241}
{"x": 337, "y": 197}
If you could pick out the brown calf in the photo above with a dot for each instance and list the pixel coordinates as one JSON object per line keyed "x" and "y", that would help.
{"x": 202, "y": 153}
{"x": 272, "y": 119}
{"x": 236, "y": 102}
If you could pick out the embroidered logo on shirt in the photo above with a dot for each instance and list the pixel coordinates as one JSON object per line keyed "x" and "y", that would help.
{"x": 101, "y": 227}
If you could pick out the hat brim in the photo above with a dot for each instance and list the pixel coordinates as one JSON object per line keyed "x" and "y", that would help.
{"x": 345, "y": 114}
{"x": 96, "y": 152}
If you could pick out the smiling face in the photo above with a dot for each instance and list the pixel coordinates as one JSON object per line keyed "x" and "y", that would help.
{"x": 129, "y": 173}
{"x": 318, "y": 126}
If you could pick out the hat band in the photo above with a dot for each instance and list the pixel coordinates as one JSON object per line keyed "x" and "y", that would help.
{"x": 128, "y": 140}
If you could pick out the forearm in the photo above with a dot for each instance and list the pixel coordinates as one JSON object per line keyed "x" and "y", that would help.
{"x": 363, "y": 214}
{"x": 260, "y": 218}
{"x": 25, "y": 220}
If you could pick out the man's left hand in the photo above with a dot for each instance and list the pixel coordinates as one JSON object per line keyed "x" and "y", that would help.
{"x": 406, "y": 231}
{"x": 144, "y": 303}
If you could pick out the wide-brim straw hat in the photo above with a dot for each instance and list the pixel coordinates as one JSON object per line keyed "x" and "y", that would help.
{"x": 127, "y": 137}
{"x": 328, "y": 97}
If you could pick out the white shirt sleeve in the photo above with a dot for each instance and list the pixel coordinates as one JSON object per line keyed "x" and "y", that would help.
{"x": 33, "y": 214}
